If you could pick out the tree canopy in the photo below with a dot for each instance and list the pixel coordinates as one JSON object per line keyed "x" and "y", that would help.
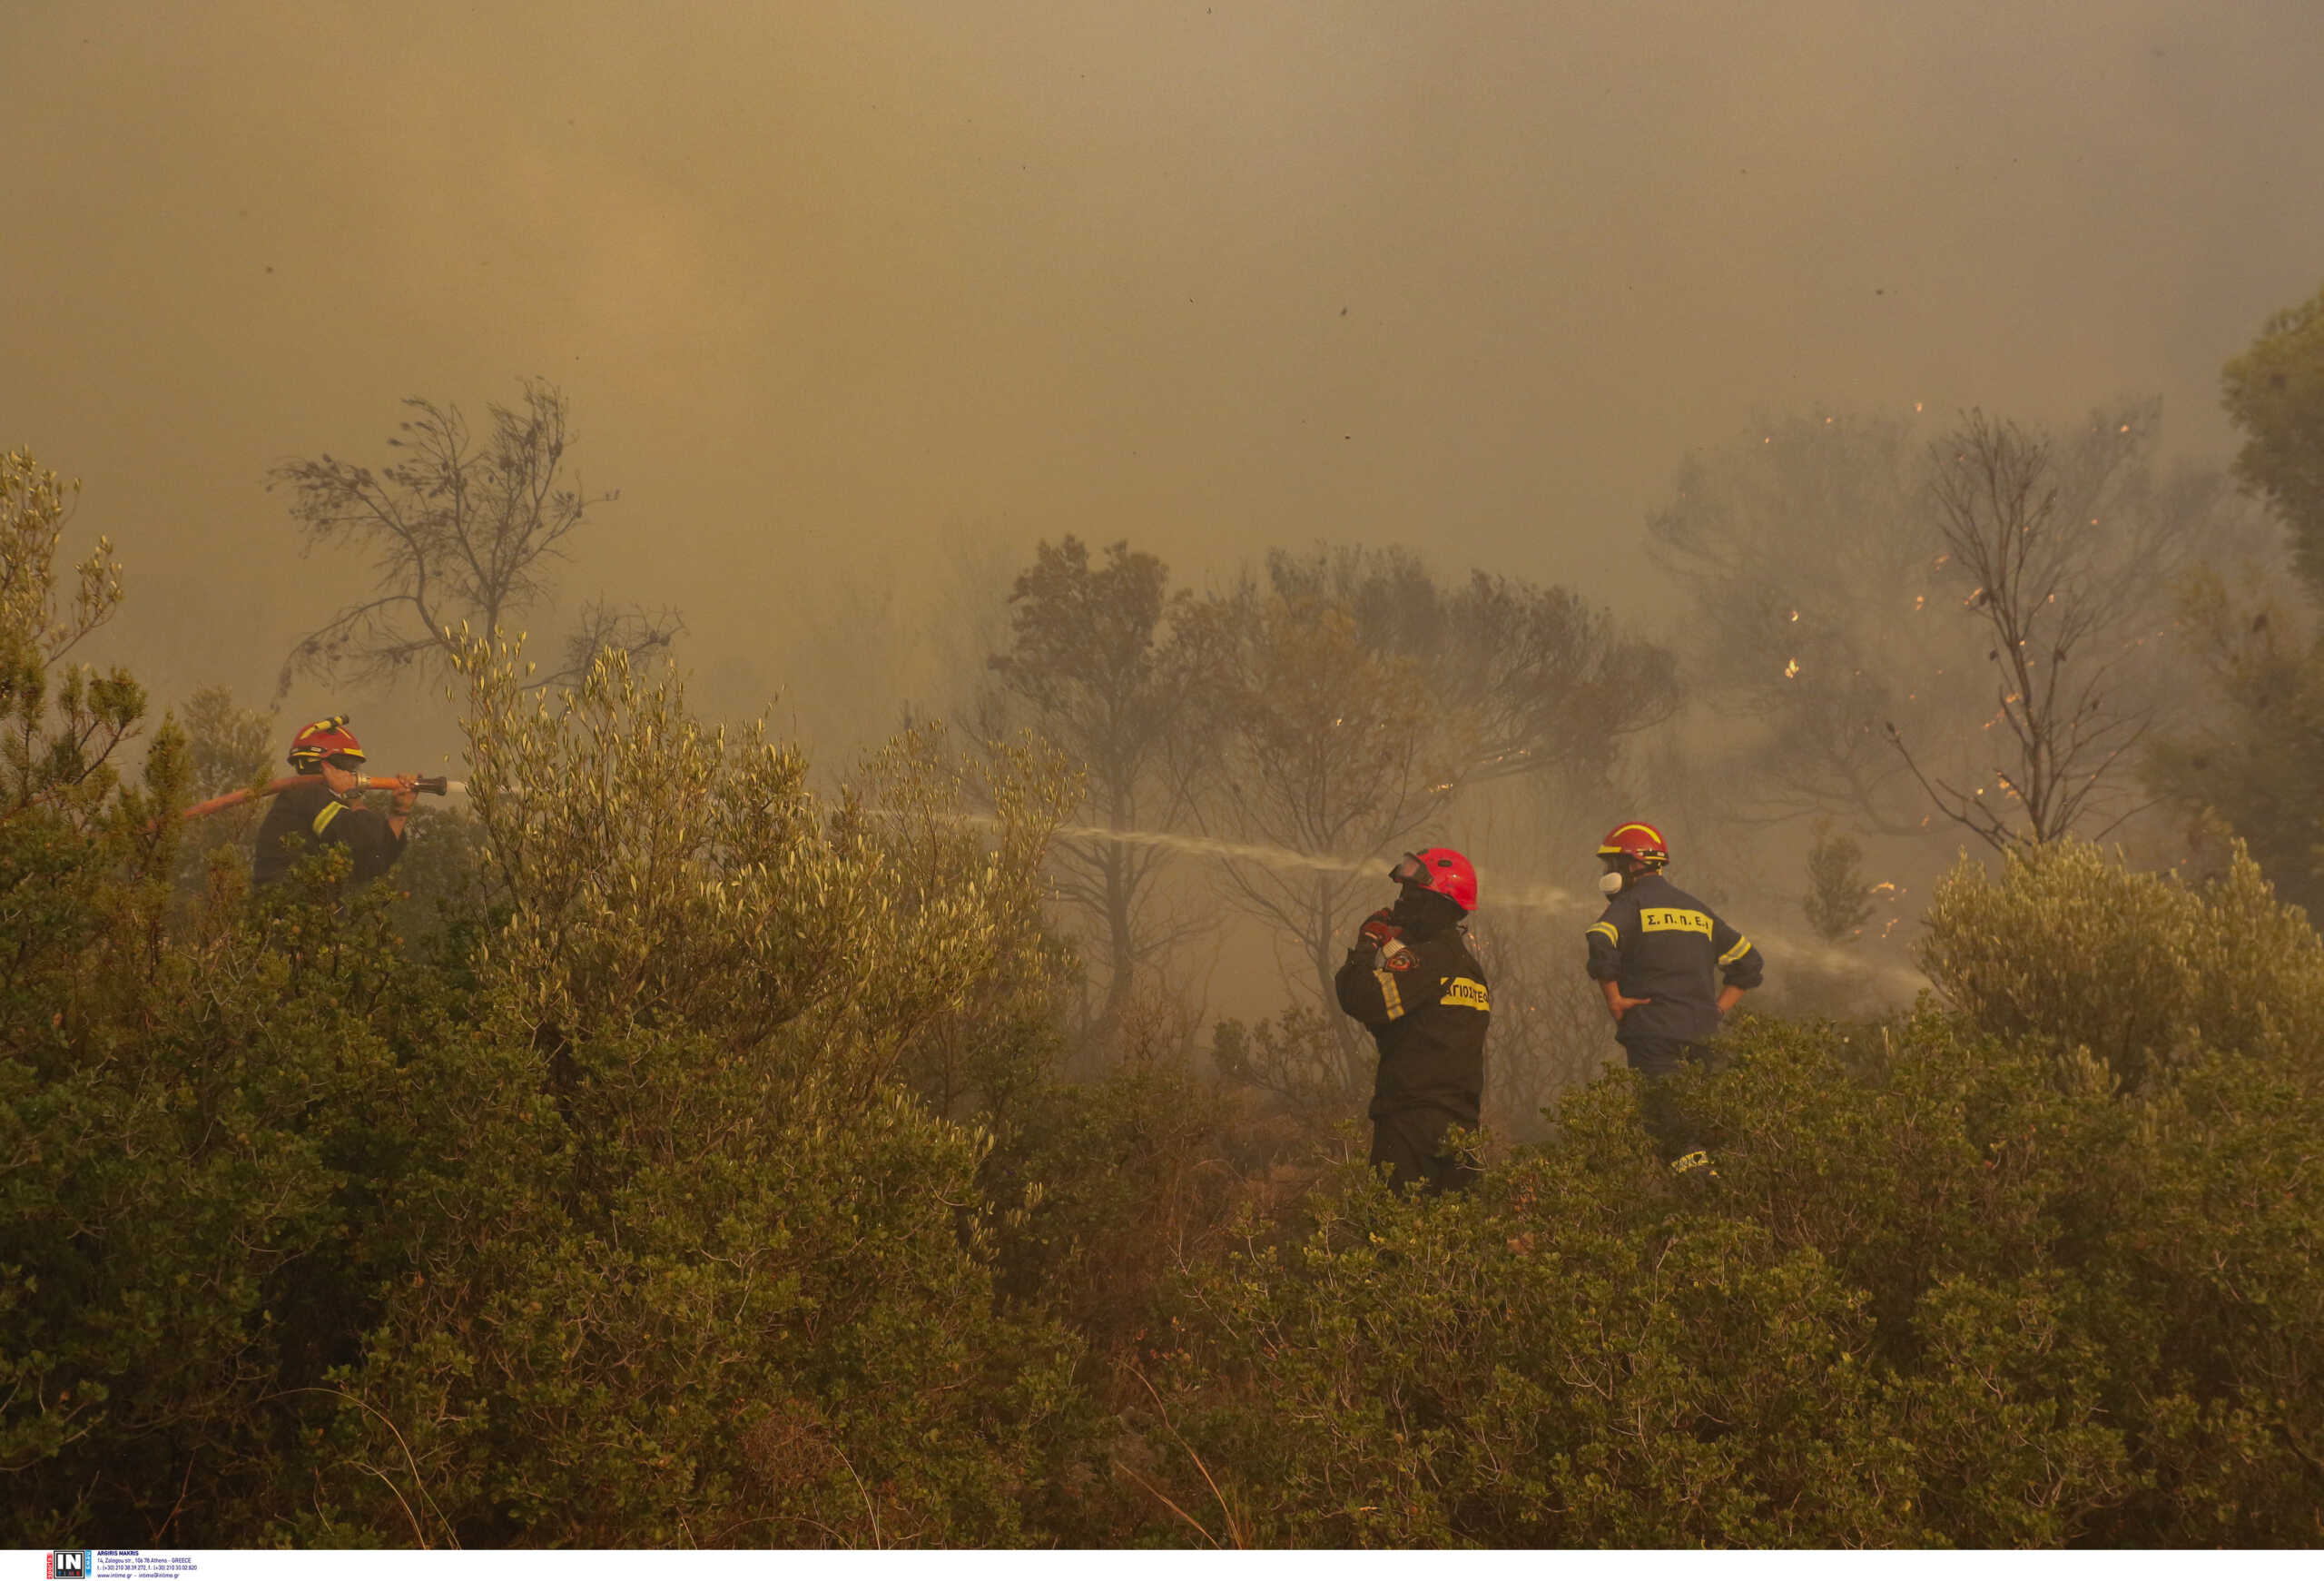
{"x": 2274, "y": 392}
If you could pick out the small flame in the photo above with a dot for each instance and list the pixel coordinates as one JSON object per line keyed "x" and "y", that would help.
{"x": 1791, "y": 669}
{"x": 1795, "y": 615}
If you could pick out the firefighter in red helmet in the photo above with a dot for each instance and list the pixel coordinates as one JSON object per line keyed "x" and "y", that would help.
{"x": 1414, "y": 980}
{"x": 327, "y": 810}
{"x": 1655, "y": 953}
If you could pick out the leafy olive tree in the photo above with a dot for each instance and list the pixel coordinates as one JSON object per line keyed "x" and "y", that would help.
{"x": 2068, "y": 949}
{"x": 1099, "y": 663}
{"x": 2274, "y": 392}
{"x": 705, "y": 1267}
{"x": 61, "y": 725}
{"x": 1545, "y": 682}
{"x": 1838, "y": 898}
{"x": 228, "y": 747}
{"x": 2255, "y": 756}
{"x": 1320, "y": 752}
{"x": 2256, "y": 761}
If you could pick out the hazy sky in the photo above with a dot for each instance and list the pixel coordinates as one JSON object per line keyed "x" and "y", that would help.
{"x": 828, "y": 284}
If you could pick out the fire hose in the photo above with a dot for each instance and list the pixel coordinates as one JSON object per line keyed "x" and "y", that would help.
{"x": 434, "y": 785}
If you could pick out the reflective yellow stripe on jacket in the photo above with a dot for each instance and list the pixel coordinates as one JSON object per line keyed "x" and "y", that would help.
{"x": 331, "y": 810}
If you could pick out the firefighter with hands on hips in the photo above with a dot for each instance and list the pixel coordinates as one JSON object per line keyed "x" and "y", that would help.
{"x": 327, "y": 811}
{"x": 1671, "y": 969}
{"x": 1412, "y": 980}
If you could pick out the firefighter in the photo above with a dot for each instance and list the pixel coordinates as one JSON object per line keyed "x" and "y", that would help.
{"x": 327, "y": 810}
{"x": 1656, "y": 953}
{"x": 1412, "y": 978}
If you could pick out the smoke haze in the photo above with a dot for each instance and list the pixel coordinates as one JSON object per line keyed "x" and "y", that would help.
{"x": 853, "y": 304}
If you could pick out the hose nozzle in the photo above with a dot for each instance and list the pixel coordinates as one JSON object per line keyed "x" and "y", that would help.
{"x": 434, "y": 785}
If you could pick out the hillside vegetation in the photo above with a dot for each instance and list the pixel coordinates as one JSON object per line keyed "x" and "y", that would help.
{"x": 694, "y": 1166}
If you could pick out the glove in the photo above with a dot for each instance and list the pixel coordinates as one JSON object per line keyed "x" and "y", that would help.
{"x": 1378, "y": 933}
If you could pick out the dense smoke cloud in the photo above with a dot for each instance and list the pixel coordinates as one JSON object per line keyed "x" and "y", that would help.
{"x": 829, "y": 288}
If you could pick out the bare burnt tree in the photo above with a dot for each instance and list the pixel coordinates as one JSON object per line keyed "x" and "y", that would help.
{"x": 2055, "y": 587}
{"x": 461, "y": 530}
{"x": 1813, "y": 613}
{"x": 1096, "y": 659}
{"x": 606, "y": 627}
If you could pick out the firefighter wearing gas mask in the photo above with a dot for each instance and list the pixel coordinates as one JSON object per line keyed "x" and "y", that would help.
{"x": 1670, "y": 969}
{"x": 1412, "y": 980}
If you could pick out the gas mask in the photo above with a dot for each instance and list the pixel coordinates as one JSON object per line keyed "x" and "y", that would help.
{"x": 1422, "y": 915}
{"x": 1411, "y": 909}
{"x": 1609, "y": 884}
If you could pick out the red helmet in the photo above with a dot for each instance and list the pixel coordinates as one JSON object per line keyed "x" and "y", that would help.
{"x": 323, "y": 738}
{"x": 1639, "y": 842}
{"x": 1440, "y": 870}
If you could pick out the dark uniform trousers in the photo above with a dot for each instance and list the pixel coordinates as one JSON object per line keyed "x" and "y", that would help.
{"x": 1427, "y": 1008}
{"x": 1411, "y": 1143}
{"x": 1657, "y": 1059}
{"x": 1658, "y": 944}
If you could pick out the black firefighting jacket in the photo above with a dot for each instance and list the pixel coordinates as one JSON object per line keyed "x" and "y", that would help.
{"x": 1656, "y": 942}
{"x": 1427, "y": 1007}
{"x": 307, "y": 815}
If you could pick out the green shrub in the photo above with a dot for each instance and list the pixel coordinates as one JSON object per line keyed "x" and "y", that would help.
{"x": 1945, "y": 1289}
{"x": 2070, "y": 949}
{"x": 187, "y": 1229}
{"x": 694, "y": 1264}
